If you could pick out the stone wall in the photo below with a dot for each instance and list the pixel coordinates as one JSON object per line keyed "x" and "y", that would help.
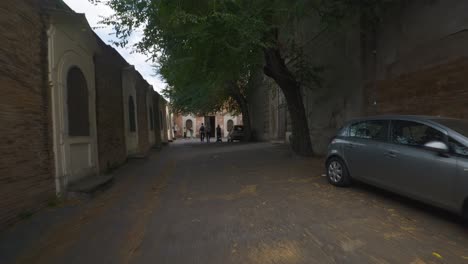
{"x": 26, "y": 164}
{"x": 421, "y": 60}
{"x": 260, "y": 105}
{"x": 414, "y": 63}
{"x": 329, "y": 104}
{"x": 142, "y": 89}
{"x": 109, "y": 108}
{"x": 338, "y": 97}
{"x": 163, "y": 118}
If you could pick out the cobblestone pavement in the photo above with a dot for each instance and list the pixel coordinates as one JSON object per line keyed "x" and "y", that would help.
{"x": 235, "y": 203}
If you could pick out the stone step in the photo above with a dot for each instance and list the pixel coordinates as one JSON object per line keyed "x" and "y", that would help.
{"x": 89, "y": 186}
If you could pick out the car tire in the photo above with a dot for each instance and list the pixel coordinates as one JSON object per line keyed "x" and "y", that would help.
{"x": 337, "y": 172}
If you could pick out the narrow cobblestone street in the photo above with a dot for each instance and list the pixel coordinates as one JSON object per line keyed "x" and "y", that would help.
{"x": 235, "y": 203}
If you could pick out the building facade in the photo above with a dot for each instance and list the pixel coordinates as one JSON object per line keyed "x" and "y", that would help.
{"x": 72, "y": 107}
{"x": 191, "y": 123}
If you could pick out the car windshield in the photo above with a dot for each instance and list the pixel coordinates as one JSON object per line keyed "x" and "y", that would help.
{"x": 460, "y": 126}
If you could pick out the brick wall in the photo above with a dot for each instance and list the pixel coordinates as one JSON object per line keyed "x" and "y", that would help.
{"x": 26, "y": 164}
{"x": 109, "y": 108}
{"x": 438, "y": 90}
{"x": 143, "y": 126}
{"x": 421, "y": 68}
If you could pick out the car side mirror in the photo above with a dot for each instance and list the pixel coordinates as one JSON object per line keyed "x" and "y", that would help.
{"x": 438, "y": 146}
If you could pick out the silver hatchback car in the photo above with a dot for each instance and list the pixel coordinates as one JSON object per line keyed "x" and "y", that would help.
{"x": 422, "y": 157}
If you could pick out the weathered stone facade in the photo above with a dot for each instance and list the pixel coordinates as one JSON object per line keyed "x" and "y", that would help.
{"x": 44, "y": 43}
{"x": 420, "y": 68}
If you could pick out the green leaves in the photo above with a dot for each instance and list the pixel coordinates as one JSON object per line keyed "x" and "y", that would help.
{"x": 201, "y": 45}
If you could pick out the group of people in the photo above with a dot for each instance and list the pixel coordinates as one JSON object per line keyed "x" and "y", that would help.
{"x": 207, "y": 134}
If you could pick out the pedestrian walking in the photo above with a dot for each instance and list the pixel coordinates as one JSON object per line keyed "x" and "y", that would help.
{"x": 185, "y": 133}
{"x": 202, "y": 133}
{"x": 218, "y": 134}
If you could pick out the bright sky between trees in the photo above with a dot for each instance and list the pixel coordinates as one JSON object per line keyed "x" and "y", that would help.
{"x": 94, "y": 14}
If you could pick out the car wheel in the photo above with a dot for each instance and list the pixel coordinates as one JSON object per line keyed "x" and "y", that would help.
{"x": 337, "y": 173}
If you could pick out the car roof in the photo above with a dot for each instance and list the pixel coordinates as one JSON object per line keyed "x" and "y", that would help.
{"x": 403, "y": 117}
{"x": 433, "y": 120}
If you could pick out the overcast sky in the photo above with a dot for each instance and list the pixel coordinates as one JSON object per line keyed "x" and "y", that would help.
{"x": 93, "y": 14}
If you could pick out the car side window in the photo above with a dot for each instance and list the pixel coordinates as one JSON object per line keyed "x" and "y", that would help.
{"x": 372, "y": 129}
{"x": 414, "y": 133}
{"x": 457, "y": 147}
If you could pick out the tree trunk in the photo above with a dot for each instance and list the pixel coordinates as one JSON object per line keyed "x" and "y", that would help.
{"x": 246, "y": 122}
{"x": 276, "y": 68}
{"x": 244, "y": 106}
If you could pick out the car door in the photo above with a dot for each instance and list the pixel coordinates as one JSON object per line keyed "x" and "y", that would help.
{"x": 460, "y": 152}
{"x": 366, "y": 140}
{"x": 415, "y": 170}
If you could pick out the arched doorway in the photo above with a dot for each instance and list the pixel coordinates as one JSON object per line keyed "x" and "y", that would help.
{"x": 189, "y": 127}
{"x": 77, "y": 104}
{"x": 74, "y": 117}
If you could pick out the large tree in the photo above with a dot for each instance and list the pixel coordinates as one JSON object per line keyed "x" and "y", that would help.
{"x": 217, "y": 43}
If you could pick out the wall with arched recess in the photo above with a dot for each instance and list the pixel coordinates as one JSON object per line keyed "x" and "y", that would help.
{"x": 72, "y": 44}
{"x": 129, "y": 90}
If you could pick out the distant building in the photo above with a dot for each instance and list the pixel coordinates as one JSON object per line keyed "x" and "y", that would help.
{"x": 71, "y": 106}
{"x": 192, "y": 123}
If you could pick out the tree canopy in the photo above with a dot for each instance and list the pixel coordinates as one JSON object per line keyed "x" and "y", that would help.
{"x": 208, "y": 49}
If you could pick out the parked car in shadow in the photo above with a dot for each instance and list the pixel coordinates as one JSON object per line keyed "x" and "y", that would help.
{"x": 422, "y": 157}
{"x": 237, "y": 133}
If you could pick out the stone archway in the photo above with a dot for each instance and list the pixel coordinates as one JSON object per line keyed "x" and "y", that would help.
{"x": 189, "y": 127}
{"x": 74, "y": 117}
